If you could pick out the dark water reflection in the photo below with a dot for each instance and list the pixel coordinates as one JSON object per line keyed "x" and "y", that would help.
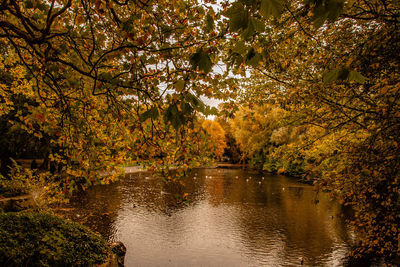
{"x": 233, "y": 218}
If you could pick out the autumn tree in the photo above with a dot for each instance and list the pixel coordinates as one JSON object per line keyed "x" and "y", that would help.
{"x": 252, "y": 130}
{"x": 268, "y": 139}
{"x": 217, "y": 135}
{"x": 98, "y": 72}
{"x": 332, "y": 64}
{"x": 232, "y": 150}
{"x": 98, "y": 69}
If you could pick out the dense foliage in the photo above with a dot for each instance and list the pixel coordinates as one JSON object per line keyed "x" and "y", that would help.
{"x": 332, "y": 66}
{"x": 35, "y": 239}
{"x": 217, "y": 136}
{"x": 85, "y": 85}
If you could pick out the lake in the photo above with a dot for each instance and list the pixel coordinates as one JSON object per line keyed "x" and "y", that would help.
{"x": 232, "y": 217}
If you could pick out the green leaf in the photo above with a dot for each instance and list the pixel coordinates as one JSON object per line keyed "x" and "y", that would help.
{"x": 115, "y": 81}
{"x": 344, "y": 74}
{"x": 335, "y": 8}
{"x": 201, "y": 60}
{"x": 180, "y": 85}
{"x": 254, "y": 25}
{"x": 336, "y": 75}
{"x": 357, "y": 77}
{"x": 172, "y": 114}
{"x": 187, "y": 109}
{"x": 238, "y": 17}
{"x": 319, "y": 21}
{"x": 209, "y": 23}
{"x": 248, "y": 32}
{"x": 327, "y": 10}
{"x": 271, "y": 7}
{"x": 152, "y": 60}
{"x": 253, "y": 58}
{"x": 105, "y": 76}
{"x": 320, "y": 16}
{"x": 240, "y": 47}
{"x": 195, "y": 102}
{"x": 210, "y": 111}
{"x": 258, "y": 25}
{"x": 214, "y": 111}
{"x": 236, "y": 59}
{"x": 330, "y": 76}
{"x": 28, "y": 4}
{"x": 150, "y": 114}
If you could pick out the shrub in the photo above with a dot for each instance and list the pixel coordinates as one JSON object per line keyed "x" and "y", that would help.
{"x": 20, "y": 182}
{"x": 37, "y": 239}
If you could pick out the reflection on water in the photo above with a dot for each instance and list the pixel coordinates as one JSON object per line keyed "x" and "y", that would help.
{"x": 233, "y": 218}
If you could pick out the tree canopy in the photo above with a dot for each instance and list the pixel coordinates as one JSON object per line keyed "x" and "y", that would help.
{"x": 311, "y": 88}
{"x": 332, "y": 66}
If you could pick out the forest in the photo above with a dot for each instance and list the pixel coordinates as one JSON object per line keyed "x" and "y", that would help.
{"x": 306, "y": 88}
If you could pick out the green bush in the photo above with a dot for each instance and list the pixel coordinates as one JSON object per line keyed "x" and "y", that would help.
{"x": 20, "y": 181}
{"x": 257, "y": 160}
{"x": 271, "y": 165}
{"x": 37, "y": 239}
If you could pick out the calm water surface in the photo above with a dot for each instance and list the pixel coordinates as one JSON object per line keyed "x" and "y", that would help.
{"x": 233, "y": 218}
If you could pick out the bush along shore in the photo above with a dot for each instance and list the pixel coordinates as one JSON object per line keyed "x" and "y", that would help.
{"x": 40, "y": 239}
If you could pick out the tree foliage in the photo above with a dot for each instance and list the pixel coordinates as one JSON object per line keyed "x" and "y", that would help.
{"x": 217, "y": 135}
{"x": 96, "y": 82}
{"x": 38, "y": 239}
{"x": 87, "y": 84}
{"x": 332, "y": 66}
